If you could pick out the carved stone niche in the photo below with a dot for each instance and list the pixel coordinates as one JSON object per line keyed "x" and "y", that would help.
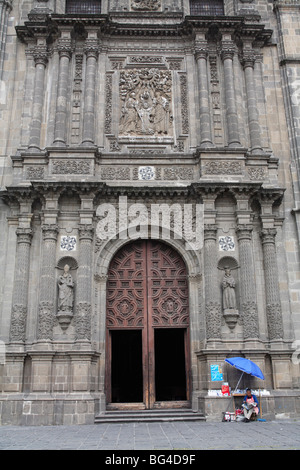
{"x": 66, "y": 267}
{"x": 228, "y": 264}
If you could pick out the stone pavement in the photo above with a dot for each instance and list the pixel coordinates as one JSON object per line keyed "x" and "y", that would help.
{"x": 161, "y": 436}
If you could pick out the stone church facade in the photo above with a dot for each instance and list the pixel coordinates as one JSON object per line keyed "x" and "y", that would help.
{"x": 149, "y": 205}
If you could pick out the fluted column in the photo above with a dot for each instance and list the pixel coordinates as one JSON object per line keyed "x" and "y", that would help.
{"x": 247, "y": 282}
{"x": 91, "y": 50}
{"x": 205, "y": 121}
{"x": 248, "y": 62}
{"x": 227, "y": 53}
{"x": 21, "y": 280}
{"x": 40, "y": 58}
{"x": 274, "y": 313}
{"x": 64, "y": 50}
{"x": 84, "y": 280}
{"x": 212, "y": 301}
{"x": 47, "y": 283}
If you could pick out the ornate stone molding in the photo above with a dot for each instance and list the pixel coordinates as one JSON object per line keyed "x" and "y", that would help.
{"x": 50, "y": 232}
{"x": 18, "y": 323}
{"x": 83, "y": 321}
{"x": 145, "y": 5}
{"x": 45, "y": 321}
{"x": 273, "y": 304}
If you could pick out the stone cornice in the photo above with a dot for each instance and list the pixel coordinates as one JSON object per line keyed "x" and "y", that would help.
{"x": 171, "y": 25}
{"x": 100, "y": 189}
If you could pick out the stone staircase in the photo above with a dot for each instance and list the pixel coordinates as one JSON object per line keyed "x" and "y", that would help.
{"x": 135, "y": 416}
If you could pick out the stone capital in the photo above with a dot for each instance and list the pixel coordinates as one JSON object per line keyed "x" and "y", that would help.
{"x": 86, "y": 232}
{"x": 24, "y": 235}
{"x": 268, "y": 235}
{"x": 244, "y": 232}
{"x": 201, "y": 51}
{"x": 50, "y": 231}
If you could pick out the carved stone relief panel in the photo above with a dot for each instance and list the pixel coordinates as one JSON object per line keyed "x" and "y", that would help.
{"x": 146, "y": 102}
{"x": 145, "y": 5}
{"x": 147, "y": 173}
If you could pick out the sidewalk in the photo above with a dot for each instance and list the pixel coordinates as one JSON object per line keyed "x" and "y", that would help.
{"x": 276, "y": 435}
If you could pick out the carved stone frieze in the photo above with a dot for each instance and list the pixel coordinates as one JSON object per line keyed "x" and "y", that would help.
{"x": 125, "y": 173}
{"x": 71, "y": 167}
{"x": 35, "y": 173}
{"x": 222, "y": 168}
{"x": 146, "y": 102}
{"x": 145, "y": 5}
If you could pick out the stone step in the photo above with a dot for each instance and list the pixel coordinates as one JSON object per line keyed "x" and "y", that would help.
{"x": 130, "y": 416}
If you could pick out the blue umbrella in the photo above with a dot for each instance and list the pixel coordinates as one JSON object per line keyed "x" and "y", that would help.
{"x": 246, "y": 365}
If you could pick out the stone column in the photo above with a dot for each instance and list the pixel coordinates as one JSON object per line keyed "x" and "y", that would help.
{"x": 212, "y": 300}
{"x": 247, "y": 282}
{"x": 274, "y": 314}
{"x": 20, "y": 292}
{"x": 47, "y": 283}
{"x": 40, "y": 58}
{"x": 205, "y": 121}
{"x": 227, "y": 53}
{"x": 248, "y": 62}
{"x": 84, "y": 280}
{"x": 5, "y": 9}
{"x": 91, "y": 50}
{"x": 64, "y": 50}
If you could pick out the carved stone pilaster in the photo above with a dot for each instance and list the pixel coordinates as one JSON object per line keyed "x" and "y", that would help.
{"x": 83, "y": 319}
{"x": 274, "y": 313}
{"x": 247, "y": 281}
{"x": 20, "y": 292}
{"x": 47, "y": 283}
{"x": 45, "y": 321}
{"x": 212, "y": 303}
{"x": 84, "y": 280}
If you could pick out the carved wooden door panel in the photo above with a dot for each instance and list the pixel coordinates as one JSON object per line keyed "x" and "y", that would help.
{"x": 147, "y": 290}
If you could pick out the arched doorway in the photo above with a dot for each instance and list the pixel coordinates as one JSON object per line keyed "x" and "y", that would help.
{"x": 147, "y": 327}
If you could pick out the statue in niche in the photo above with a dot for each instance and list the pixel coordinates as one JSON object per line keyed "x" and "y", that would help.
{"x": 66, "y": 292}
{"x": 228, "y": 285}
{"x": 146, "y": 96}
{"x": 230, "y": 311}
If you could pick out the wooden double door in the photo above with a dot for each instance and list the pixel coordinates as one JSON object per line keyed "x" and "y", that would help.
{"x": 147, "y": 323}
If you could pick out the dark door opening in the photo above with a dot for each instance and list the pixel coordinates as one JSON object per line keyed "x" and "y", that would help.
{"x": 170, "y": 365}
{"x": 126, "y": 366}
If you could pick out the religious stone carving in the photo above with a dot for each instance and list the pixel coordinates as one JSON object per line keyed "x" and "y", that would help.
{"x": 146, "y": 96}
{"x": 65, "y": 298}
{"x": 145, "y": 5}
{"x": 231, "y": 313}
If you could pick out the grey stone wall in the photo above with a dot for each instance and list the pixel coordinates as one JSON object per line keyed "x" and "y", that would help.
{"x": 162, "y": 113}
